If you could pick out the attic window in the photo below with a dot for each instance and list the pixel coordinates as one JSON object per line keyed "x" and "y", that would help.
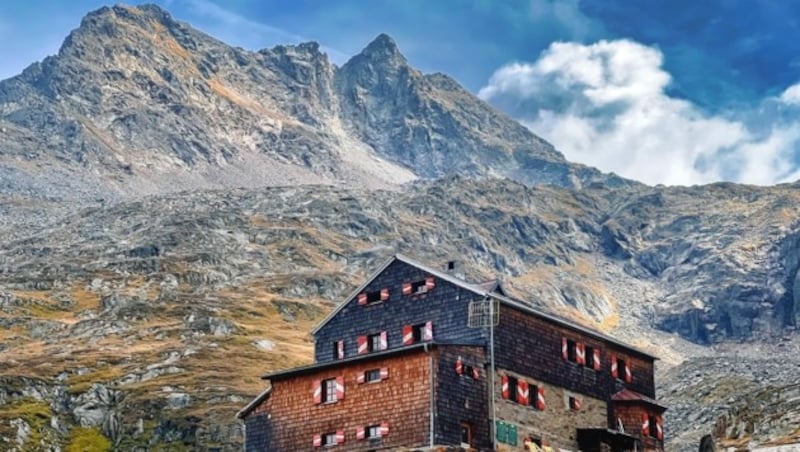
{"x": 419, "y": 287}
{"x": 571, "y": 351}
{"x": 372, "y": 297}
{"x": 590, "y": 355}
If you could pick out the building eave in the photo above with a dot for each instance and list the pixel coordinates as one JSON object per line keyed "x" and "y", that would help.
{"x": 311, "y": 368}
{"x": 254, "y": 403}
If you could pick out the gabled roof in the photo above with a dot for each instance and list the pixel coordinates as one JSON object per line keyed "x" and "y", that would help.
{"x": 254, "y": 403}
{"x": 486, "y": 289}
{"x": 398, "y": 257}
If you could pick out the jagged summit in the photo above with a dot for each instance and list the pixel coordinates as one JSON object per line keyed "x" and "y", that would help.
{"x": 383, "y": 47}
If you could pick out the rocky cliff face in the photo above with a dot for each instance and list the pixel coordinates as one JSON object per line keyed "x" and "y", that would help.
{"x": 138, "y": 103}
{"x": 141, "y": 295}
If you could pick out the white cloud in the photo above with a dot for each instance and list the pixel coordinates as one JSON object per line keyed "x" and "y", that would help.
{"x": 605, "y": 105}
{"x": 791, "y": 95}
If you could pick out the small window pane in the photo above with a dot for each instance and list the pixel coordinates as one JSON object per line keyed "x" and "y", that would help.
{"x": 329, "y": 390}
{"x": 372, "y": 375}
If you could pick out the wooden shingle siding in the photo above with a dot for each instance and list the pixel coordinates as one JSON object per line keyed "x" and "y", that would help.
{"x": 402, "y": 400}
{"x": 257, "y": 428}
{"x": 461, "y": 398}
{"x": 445, "y": 306}
{"x": 532, "y": 346}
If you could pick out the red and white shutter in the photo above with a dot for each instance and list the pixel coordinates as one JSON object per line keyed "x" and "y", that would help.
{"x": 317, "y": 440}
{"x": 660, "y": 428}
{"x": 575, "y": 403}
{"x": 476, "y": 375}
{"x": 614, "y": 370}
{"x": 384, "y": 294}
{"x": 407, "y": 288}
{"x": 540, "y": 405}
{"x": 427, "y": 332}
{"x": 645, "y": 424}
{"x": 361, "y": 378}
{"x": 564, "y": 351}
{"x": 384, "y": 429}
{"x": 459, "y": 366}
{"x": 340, "y": 437}
{"x": 340, "y": 349}
{"x": 504, "y": 386}
{"x": 523, "y": 395}
{"x": 628, "y": 376}
{"x": 384, "y": 373}
{"x": 360, "y": 434}
{"x": 408, "y": 335}
{"x": 580, "y": 353}
{"x": 384, "y": 341}
{"x": 430, "y": 283}
{"x": 362, "y": 298}
{"x": 339, "y": 388}
{"x": 596, "y": 359}
{"x": 362, "y": 345}
{"x": 317, "y": 391}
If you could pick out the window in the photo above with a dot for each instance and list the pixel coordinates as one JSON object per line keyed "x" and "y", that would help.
{"x": 419, "y": 287}
{"x": 338, "y": 350}
{"x": 372, "y": 375}
{"x": 373, "y": 431}
{"x": 329, "y": 390}
{"x": 374, "y": 342}
{"x": 589, "y": 357}
{"x": 374, "y": 296}
{"x": 329, "y": 439}
{"x": 653, "y": 430}
{"x": 571, "y": 351}
{"x": 466, "y": 434}
{"x": 417, "y": 332}
{"x": 512, "y": 388}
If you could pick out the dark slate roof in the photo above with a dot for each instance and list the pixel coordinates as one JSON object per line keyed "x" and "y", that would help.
{"x": 487, "y": 291}
{"x": 626, "y": 395}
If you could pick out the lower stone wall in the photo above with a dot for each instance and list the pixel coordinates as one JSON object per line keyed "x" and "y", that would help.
{"x": 557, "y": 425}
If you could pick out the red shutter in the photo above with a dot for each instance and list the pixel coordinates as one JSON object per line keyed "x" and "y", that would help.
{"x": 430, "y": 283}
{"x": 360, "y": 433}
{"x": 360, "y": 379}
{"x": 476, "y": 375}
{"x": 384, "y": 294}
{"x": 340, "y": 349}
{"x": 384, "y": 373}
{"x": 362, "y": 345}
{"x": 427, "y": 332}
{"x": 340, "y": 437}
{"x": 317, "y": 391}
{"x": 580, "y": 353}
{"x": 645, "y": 424}
{"x": 408, "y": 335}
{"x": 575, "y": 403}
{"x": 523, "y": 395}
{"x": 596, "y": 359}
{"x": 384, "y": 429}
{"x": 459, "y": 366}
{"x": 660, "y": 428}
{"x": 614, "y": 371}
{"x": 407, "y": 288}
{"x": 564, "y": 352}
{"x": 504, "y": 386}
{"x": 317, "y": 440}
{"x": 540, "y": 405}
{"x": 384, "y": 341}
{"x": 362, "y": 298}
{"x": 628, "y": 376}
{"x": 339, "y": 388}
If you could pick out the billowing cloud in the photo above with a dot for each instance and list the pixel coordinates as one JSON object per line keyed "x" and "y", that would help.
{"x": 607, "y": 105}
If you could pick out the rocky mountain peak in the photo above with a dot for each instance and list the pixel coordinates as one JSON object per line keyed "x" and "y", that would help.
{"x": 384, "y": 48}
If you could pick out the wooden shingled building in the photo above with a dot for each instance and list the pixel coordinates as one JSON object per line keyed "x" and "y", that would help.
{"x": 407, "y": 362}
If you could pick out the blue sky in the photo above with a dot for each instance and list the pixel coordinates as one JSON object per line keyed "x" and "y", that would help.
{"x": 675, "y": 92}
